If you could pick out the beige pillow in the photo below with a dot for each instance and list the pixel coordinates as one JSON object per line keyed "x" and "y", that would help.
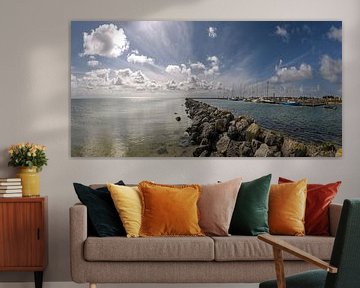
{"x": 216, "y": 206}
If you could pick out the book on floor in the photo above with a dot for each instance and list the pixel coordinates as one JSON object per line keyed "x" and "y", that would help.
{"x": 10, "y": 195}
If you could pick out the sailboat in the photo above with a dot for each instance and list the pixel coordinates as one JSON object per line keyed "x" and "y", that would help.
{"x": 291, "y": 103}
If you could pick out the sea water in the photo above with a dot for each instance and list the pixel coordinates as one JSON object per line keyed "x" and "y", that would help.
{"x": 128, "y": 126}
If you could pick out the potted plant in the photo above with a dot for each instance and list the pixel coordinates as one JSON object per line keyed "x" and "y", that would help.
{"x": 30, "y": 158}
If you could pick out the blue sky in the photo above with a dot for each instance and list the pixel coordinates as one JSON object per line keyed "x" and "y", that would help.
{"x": 296, "y": 58}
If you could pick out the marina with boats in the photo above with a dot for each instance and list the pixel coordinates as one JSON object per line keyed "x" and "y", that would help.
{"x": 267, "y": 93}
{"x": 328, "y": 102}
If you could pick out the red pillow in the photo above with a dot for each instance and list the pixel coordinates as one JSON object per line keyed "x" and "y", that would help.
{"x": 319, "y": 197}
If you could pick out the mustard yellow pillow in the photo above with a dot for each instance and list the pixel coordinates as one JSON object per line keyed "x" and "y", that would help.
{"x": 169, "y": 210}
{"x": 287, "y": 204}
{"x": 127, "y": 201}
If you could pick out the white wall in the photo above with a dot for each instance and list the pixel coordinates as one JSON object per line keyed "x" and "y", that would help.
{"x": 35, "y": 105}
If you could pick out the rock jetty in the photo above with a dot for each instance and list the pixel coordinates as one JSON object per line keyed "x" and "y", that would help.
{"x": 218, "y": 133}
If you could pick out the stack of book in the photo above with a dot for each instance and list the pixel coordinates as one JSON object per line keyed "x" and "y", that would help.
{"x": 10, "y": 187}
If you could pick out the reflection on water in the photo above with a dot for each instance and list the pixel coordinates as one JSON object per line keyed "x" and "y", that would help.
{"x": 136, "y": 126}
{"x": 309, "y": 124}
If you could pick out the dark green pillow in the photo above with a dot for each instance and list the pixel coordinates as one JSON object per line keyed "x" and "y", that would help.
{"x": 103, "y": 218}
{"x": 250, "y": 216}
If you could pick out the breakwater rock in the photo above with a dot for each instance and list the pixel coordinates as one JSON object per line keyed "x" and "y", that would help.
{"x": 218, "y": 133}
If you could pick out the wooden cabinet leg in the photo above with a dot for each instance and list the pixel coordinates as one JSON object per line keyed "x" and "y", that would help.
{"x": 38, "y": 279}
{"x": 92, "y": 285}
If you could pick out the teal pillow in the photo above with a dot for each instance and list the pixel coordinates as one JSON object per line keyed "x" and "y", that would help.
{"x": 250, "y": 216}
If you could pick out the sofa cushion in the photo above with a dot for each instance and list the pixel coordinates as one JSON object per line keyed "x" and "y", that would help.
{"x": 250, "y": 215}
{"x": 149, "y": 249}
{"x": 216, "y": 206}
{"x": 169, "y": 210}
{"x": 244, "y": 248}
{"x": 287, "y": 204}
{"x": 127, "y": 201}
{"x": 102, "y": 216}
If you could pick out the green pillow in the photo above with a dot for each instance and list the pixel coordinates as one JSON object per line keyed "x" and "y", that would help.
{"x": 250, "y": 216}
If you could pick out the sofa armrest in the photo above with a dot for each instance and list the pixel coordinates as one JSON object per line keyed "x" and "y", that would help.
{"x": 78, "y": 235}
{"x": 284, "y": 246}
{"x": 334, "y": 217}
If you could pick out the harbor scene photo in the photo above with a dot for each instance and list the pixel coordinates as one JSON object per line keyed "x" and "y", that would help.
{"x": 206, "y": 89}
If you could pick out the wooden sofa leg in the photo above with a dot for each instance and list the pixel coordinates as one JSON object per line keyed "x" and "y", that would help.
{"x": 92, "y": 285}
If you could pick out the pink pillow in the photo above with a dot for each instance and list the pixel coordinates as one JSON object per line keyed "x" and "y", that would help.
{"x": 216, "y": 206}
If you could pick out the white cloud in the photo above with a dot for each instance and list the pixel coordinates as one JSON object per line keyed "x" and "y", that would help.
{"x": 185, "y": 70}
{"x": 291, "y": 74}
{"x": 212, "y": 32}
{"x": 92, "y": 57}
{"x": 214, "y": 63}
{"x": 140, "y": 59}
{"x": 219, "y": 86}
{"x": 99, "y": 78}
{"x": 138, "y": 77}
{"x": 153, "y": 85}
{"x": 126, "y": 78}
{"x": 212, "y": 71}
{"x": 282, "y": 32}
{"x": 331, "y": 69}
{"x": 193, "y": 83}
{"x": 105, "y": 81}
{"x": 335, "y": 34}
{"x": 171, "y": 85}
{"x": 107, "y": 40}
{"x": 214, "y": 60}
{"x": 93, "y": 63}
{"x": 178, "y": 70}
{"x": 173, "y": 69}
{"x": 198, "y": 66}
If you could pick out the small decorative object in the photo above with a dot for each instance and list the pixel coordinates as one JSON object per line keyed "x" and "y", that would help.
{"x": 30, "y": 158}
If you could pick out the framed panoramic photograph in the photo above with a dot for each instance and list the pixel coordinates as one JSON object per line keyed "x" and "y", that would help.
{"x": 206, "y": 89}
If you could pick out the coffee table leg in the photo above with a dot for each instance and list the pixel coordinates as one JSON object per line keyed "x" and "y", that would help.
{"x": 38, "y": 279}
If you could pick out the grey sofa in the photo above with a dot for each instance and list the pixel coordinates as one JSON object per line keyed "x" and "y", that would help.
{"x": 234, "y": 259}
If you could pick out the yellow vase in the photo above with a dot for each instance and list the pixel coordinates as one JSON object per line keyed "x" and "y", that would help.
{"x": 30, "y": 181}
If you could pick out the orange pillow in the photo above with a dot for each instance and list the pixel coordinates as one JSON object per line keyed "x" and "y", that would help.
{"x": 169, "y": 210}
{"x": 287, "y": 204}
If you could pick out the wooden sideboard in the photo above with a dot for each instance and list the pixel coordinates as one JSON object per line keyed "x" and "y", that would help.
{"x": 23, "y": 235}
